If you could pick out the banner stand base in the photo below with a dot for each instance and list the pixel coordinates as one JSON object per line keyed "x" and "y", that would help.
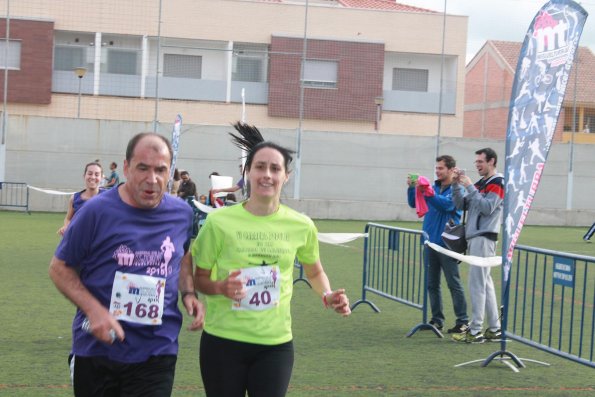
{"x": 505, "y": 358}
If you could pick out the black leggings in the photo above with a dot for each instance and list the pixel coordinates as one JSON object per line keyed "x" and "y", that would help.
{"x": 231, "y": 368}
{"x": 98, "y": 376}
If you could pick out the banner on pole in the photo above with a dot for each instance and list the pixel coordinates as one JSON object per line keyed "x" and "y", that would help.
{"x": 540, "y": 81}
{"x": 175, "y": 144}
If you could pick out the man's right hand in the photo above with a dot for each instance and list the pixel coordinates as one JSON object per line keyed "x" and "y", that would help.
{"x": 460, "y": 178}
{"x": 101, "y": 325}
{"x": 69, "y": 283}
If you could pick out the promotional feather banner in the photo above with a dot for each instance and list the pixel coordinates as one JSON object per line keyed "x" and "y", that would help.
{"x": 540, "y": 81}
{"x": 175, "y": 144}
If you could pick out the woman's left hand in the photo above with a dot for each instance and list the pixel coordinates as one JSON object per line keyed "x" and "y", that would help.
{"x": 339, "y": 302}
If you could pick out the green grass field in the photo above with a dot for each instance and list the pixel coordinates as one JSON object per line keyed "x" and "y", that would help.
{"x": 366, "y": 354}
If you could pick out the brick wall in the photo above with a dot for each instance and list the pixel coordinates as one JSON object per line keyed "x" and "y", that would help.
{"x": 359, "y": 79}
{"x": 499, "y": 84}
{"x": 491, "y": 91}
{"x": 33, "y": 82}
{"x": 474, "y": 84}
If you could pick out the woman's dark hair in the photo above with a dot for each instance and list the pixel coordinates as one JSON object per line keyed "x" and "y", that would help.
{"x": 250, "y": 139}
{"x": 92, "y": 163}
{"x": 176, "y": 174}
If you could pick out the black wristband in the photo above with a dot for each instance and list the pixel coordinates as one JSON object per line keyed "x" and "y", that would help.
{"x": 184, "y": 293}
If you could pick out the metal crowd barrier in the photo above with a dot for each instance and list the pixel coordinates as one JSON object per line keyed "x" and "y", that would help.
{"x": 551, "y": 297}
{"x": 552, "y": 303}
{"x": 14, "y": 194}
{"x": 393, "y": 268}
{"x": 300, "y": 277}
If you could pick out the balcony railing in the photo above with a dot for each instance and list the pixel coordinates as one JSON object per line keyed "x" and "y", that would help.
{"x": 169, "y": 87}
{"x": 419, "y": 102}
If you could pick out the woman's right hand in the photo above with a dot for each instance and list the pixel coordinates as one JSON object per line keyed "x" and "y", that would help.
{"x": 233, "y": 287}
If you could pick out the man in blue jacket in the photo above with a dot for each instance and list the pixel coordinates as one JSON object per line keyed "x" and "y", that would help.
{"x": 441, "y": 209}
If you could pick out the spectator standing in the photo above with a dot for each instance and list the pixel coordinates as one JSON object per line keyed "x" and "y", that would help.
{"x": 441, "y": 210}
{"x": 212, "y": 199}
{"x": 202, "y": 216}
{"x": 187, "y": 187}
{"x": 240, "y": 185}
{"x": 114, "y": 178}
{"x": 483, "y": 201}
{"x": 175, "y": 185}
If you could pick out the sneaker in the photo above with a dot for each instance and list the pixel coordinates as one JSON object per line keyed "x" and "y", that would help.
{"x": 493, "y": 336}
{"x": 468, "y": 337}
{"x": 438, "y": 326}
{"x": 458, "y": 329}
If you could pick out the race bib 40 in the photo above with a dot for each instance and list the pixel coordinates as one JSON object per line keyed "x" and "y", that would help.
{"x": 263, "y": 286}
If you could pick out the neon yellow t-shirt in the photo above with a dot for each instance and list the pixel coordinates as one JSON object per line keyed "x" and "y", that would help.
{"x": 231, "y": 239}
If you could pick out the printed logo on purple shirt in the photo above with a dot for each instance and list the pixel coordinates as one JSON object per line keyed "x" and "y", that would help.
{"x": 157, "y": 262}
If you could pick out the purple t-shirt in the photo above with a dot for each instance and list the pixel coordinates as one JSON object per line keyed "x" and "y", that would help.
{"x": 78, "y": 201}
{"x": 108, "y": 235}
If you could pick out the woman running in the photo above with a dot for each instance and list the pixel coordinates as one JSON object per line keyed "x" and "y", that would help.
{"x": 245, "y": 257}
{"x": 92, "y": 176}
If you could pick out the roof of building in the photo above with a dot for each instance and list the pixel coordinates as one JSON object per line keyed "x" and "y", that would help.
{"x": 387, "y": 5}
{"x": 509, "y": 51}
{"x": 382, "y": 5}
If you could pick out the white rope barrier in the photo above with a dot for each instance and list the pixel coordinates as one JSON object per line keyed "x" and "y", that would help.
{"x": 489, "y": 261}
{"x": 50, "y": 191}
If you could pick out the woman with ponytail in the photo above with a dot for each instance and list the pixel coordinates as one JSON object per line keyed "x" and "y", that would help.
{"x": 245, "y": 256}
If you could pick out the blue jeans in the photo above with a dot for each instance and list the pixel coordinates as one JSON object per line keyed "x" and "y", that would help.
{"x": 436, "y": 263}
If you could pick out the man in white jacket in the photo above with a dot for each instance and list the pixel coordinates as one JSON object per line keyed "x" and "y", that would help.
{"x": 483, "y": 201}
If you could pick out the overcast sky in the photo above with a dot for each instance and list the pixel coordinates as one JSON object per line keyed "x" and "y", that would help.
{"x": 501, "y": 19}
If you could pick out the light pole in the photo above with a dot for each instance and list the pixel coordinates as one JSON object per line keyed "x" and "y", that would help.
{"x": 378, "y": 101}
{"x": 80, "y": 73}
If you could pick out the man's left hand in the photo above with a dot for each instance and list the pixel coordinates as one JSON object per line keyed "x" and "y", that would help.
{"x": 195, "y": 308}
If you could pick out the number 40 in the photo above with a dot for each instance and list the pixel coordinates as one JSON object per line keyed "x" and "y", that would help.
{"x": 264, "y": 297}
